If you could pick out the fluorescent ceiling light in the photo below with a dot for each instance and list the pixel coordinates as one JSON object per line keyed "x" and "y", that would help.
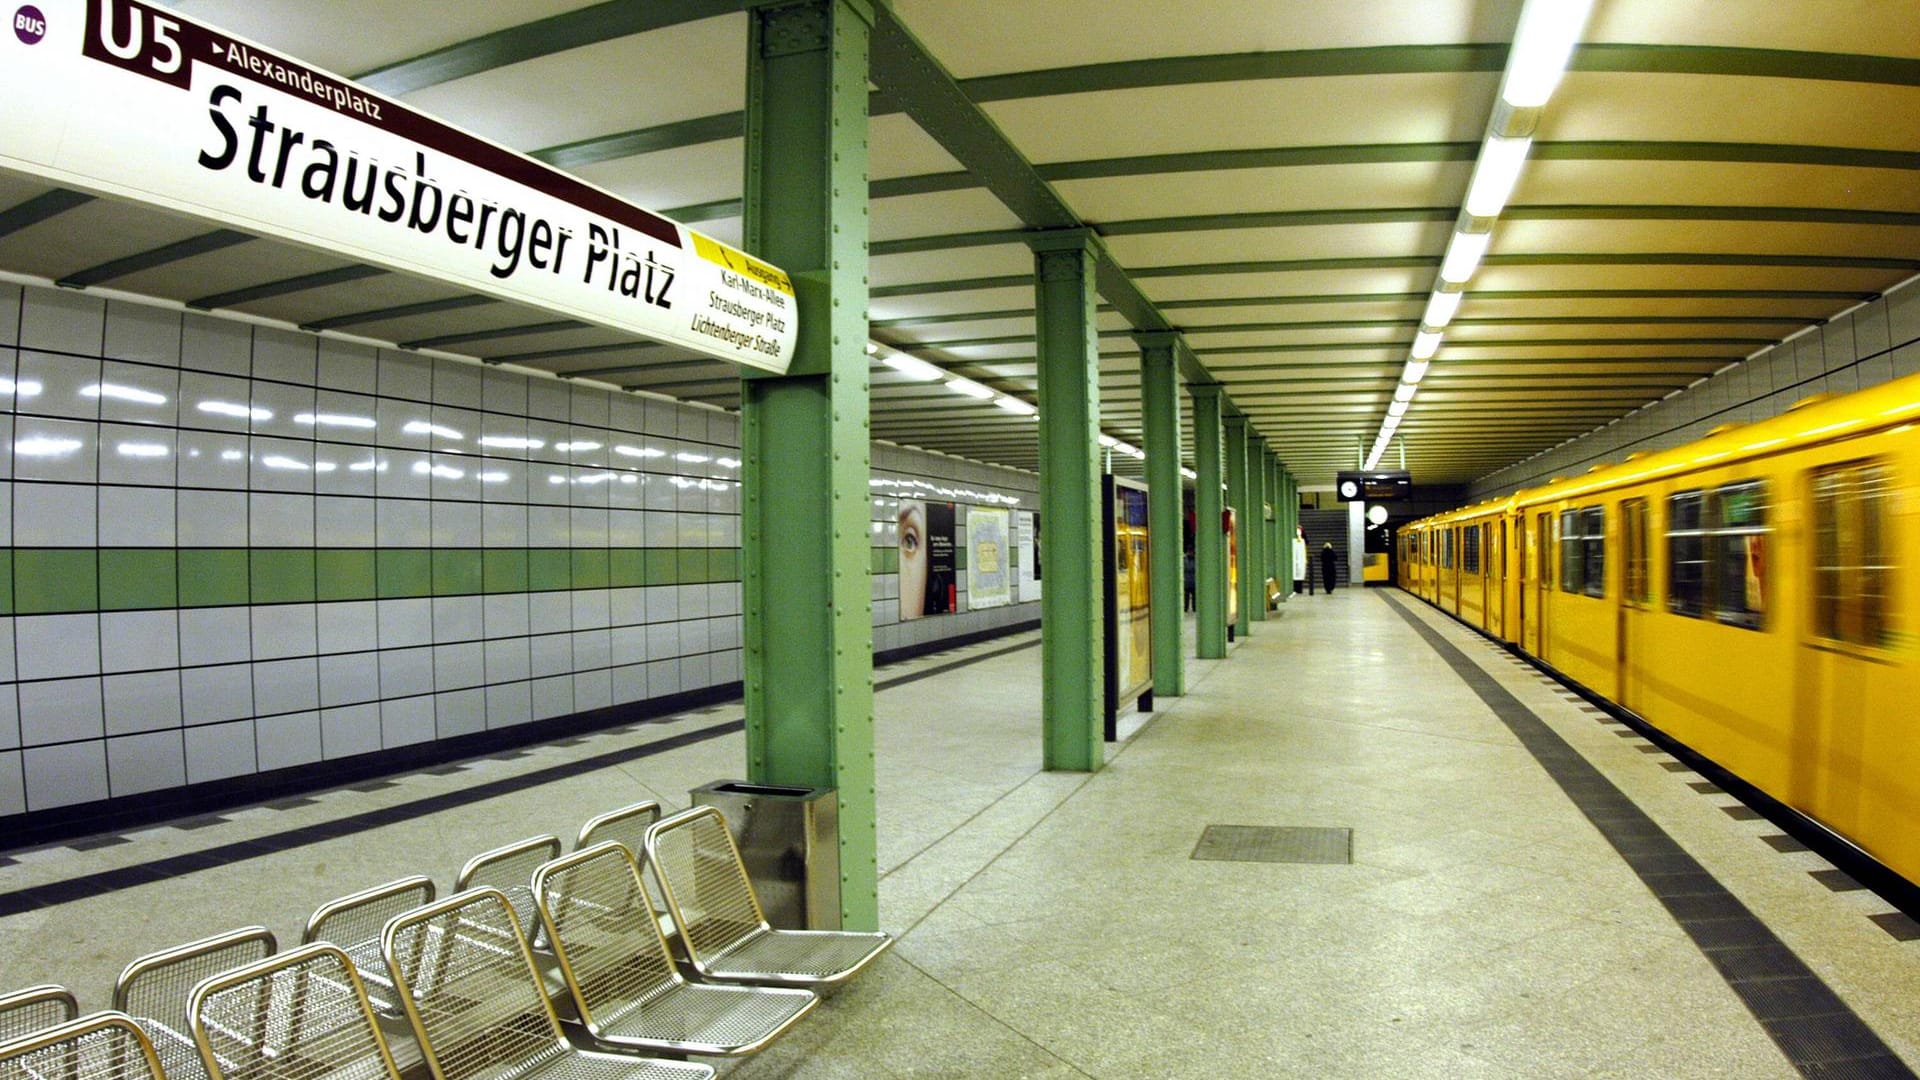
{"x": 1015, "y": 406}
{"x": 421, "y": 427}
{"x": 872, "y": 349}
{"x": 1463, "y": 256}
{"x": 1494, "y": 177}
{"x": 914, "y": 368}
{"x": 968, "y": 387}
{"x": 1416, "y": 370}
{"x": 123, "y": 393}
{"x": 1398, "y": 409}
{"x": 228, "y": 408}
{"x": 1425, "y": 344}
{"x": 346, "y": 420}
{"x": 1542, "y": 43}
{"x": 1403, "y": 392}
{"x": 1440, "y": 309}
{"x": 1107, "y": 440}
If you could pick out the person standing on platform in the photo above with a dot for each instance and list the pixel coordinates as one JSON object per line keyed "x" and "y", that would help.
{"x": 1328, "y": 559}
{"x": 1302, "y": 576}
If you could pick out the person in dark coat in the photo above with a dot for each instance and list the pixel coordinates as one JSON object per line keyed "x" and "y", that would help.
{"x": 1328, "y": 557}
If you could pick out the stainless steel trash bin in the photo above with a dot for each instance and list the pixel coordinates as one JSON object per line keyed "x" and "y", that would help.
{"x": 789, "y": 838}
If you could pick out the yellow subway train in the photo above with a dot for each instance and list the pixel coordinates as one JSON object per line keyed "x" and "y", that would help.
{"x": 1748, "y": 596}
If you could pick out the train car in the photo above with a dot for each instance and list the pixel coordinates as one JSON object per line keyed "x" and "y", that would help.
{"x": 1746, "y": 595}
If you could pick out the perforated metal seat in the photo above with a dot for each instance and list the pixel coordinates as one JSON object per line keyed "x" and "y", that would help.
{"x": 622, "y": 978}
{"x": 510, "y": 869}
{"x": 298, "y": 1016}
{"x": 354, "y": 924}
{"x": 154, "y": 990}
{"x": 103, "y": 1046}
{"x": 467, "y": 980}
{"x": 627, "y": 825}
{"x": 35, "y": 1009}
{"x": 725, "y": 931}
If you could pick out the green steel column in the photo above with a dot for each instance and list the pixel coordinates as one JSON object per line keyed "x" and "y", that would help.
{"x": 1072, "y": 630}
{"x": 1160, "y": 412}
{"x": 1270, "y": 525}
{"x": 1282, "y": 530}
{"x": 1256, "y": 523}
{"x": 1237, "y": 497}
{"x": 1210, "y": 550}
{"x": 805, "y": 596}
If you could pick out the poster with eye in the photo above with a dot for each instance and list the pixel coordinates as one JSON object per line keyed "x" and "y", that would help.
{"x": 988, "y": 582}
{"x": 1026, "y": 534}
{"x": 927, "y": 585}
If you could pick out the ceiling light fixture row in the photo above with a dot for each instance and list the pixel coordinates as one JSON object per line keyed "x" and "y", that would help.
{"x": 918, "y": 370}
{"x": 1543, "y": 43}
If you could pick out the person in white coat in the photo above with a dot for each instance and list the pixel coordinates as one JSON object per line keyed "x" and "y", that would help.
{"x": 1301, "y": 577}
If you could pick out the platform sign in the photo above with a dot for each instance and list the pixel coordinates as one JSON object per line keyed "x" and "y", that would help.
{"x": 123, "y": 99}
{"x": 1383, "y": 485}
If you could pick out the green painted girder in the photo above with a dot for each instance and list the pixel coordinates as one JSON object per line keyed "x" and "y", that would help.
{"x": 1160, "y": 438}
{"x": 203, "y": 244}
{"x": 648, "y": 140}
{"x": 399, "y": 311}
{"x": 41, "y": 207}
{"x": 1210, "y": 566}
{"x": 1390, "y": 262}
{"x": 285, "y": 286}
{"x": 542, "y": 37}
{"x": 1191, "y": 329}
{"x": 572, "y": 352}
{"x": 495, "y": 334}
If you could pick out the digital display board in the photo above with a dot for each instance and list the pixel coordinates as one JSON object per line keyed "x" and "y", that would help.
{"x": 1380, "y": 485}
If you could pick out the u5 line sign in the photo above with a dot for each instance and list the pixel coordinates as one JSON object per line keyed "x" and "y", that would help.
{"x": 125, "y": 99}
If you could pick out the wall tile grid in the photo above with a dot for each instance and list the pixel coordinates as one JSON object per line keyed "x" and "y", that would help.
{"x": 227, "y": 549}
{"x": 1872, "y": 344}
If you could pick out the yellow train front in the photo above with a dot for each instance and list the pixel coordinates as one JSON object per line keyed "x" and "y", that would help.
{"x": 1747, "y": 595}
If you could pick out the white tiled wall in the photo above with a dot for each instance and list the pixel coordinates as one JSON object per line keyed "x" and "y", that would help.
{"x": 1872, "y": 344}
{"x": 218, "y": 434}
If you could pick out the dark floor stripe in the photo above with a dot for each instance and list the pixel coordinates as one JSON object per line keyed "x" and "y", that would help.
{"x": 106, "y": 881}
{"x": 1812, "y": 1026}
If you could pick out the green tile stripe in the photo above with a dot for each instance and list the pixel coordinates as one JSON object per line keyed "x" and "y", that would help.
{"x": 52, "y": 581}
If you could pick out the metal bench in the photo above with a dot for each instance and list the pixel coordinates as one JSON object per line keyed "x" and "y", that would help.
{"x": 103, "y": 1046}
{"x": 466, "y": 976}
{"x": 622, "y": 977}
{"x": 726, "y": 933}
{"x": 154, "y": 990}
{"x": 628, "y": 825}
{"x": 35, "y": 1009}
{"x": 510, "y": 869}
{"x": 353, "y": 923}
{"x": 297, "y": 1016}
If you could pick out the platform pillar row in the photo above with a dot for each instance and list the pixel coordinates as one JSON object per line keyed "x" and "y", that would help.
{"x": 1072, "y": 632}
{"x": 1271, "y": 467}
{"x": 1238, "y": 497}
{"x": 1209, "y": 544}
{"x": 1160, "y": 410}
{"x": 805, "y": 597}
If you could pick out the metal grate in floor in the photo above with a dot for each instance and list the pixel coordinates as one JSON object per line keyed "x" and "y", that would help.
{"x": 1275, "y": 844}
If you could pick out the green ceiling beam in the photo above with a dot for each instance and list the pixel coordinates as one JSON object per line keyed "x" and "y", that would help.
{"x": 542, "y": 37}
{"x": 267, "y": 291}
{"x": 125, "y": 266}
{"x": 399, "y": 311}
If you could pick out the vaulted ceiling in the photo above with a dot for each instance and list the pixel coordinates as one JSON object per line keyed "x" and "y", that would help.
{"x": 1277, "y": 179}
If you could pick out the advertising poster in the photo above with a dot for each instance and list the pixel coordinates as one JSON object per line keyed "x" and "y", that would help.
{"x": 1233, "y": 566}
{"x": 988, "y": 582}
{"x": 1132, "y": 633}
{"x": 1026, "y": 527}
{"x": 927, "y": 584}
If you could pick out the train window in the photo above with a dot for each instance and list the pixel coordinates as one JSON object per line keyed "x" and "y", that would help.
{"x": 1572, "y": 559}
{"x": 1739, "y": 554}
{"x": 1470, "y": 550}
{"x": 1446, "y": 548}
{"x": 1633, "y": 532}
{"x": 1593, "y": 540}
{"x": 1686, "y": 554}
{"x": 1852, "y": 560}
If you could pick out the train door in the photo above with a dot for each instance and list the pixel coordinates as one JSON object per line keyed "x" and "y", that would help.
{"x": 1523, "y": 566}
{"x": 1542, "y": 581}
{"x": 1634, "y": 612}
{"x": 1502, "y": 567}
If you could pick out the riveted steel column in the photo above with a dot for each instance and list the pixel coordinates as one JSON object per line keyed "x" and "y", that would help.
{"x": 1239, "y": 497}
{"x": 1160, "y": 414}
{"x": 1257, "y": 525}
{"x": 805, "y": 597}
{"x": 1209, "y": 545}
{"x": 1293, "y": 524}
{"x": 1282, "y": 539}
{"x": 1072, "y": 629}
